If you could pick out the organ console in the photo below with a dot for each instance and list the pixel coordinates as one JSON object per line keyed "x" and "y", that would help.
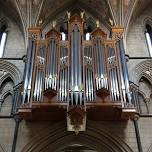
{"x": 74, "y": 77}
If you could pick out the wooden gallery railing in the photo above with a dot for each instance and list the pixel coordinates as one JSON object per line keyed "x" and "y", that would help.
{"x": 75, "y": 78}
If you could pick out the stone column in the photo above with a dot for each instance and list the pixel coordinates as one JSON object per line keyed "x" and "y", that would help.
{"x": 17, "y": 122}
{"x": 135, "y": 121}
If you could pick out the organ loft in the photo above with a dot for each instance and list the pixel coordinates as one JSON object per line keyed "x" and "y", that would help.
{"x": 75, "y": 72}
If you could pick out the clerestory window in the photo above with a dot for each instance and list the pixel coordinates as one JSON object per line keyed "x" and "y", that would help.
{"x": 3, "y": 36}
{"x": 148, "y": 34}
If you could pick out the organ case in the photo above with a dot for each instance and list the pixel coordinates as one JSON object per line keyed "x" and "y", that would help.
{"x": 76, "y": 78}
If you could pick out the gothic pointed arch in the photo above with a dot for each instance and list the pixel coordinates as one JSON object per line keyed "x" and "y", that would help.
{"x": 8, "y": 69}
{"x": 143, "y": 69}
{"x": 8, "y": 92}
{"x": 5, "y": 77}
{"x": 56, "y": 137}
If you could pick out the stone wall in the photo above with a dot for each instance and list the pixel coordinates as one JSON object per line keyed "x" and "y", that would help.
{"x": 15, "y": 46}
{"x": 29, "y": 131}
{"x": 145, "y": 129}
{"x": 136, "y": 45}
{"x": 6, "y": 134}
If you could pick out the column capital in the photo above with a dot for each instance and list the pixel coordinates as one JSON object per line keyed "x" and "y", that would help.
{"x": 136, "y": 117}
{"x": 34, "y": 32}
{"x": 17, "y": 119}
{"x": 1, "y": 100}
{"x": 117, "y": 32}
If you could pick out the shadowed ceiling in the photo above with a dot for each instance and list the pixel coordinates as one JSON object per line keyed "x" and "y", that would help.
{"x": 98, "y": 8}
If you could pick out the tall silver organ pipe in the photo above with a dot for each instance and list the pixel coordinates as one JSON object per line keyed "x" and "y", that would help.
{"x": 63, "y": 74}
{"x": 28, "y": 71}
{"x": 39, "y": 71}
{"x": 124, "y": 71}
{"x": 88, "y": 72}
{"x": 76, "y": 88}
{"x": 100, "y": 64}
{"x": 51, "y": 65}
{"x": 113, "y": 72}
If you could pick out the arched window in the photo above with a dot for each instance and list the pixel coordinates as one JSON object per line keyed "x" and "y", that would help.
{"x": 6, "y": 90}
{"x": 149, "y": 38}
{"x": 88, "y": 31}
{"x": 3, "y": 35}
{"x": 63, "y": 31}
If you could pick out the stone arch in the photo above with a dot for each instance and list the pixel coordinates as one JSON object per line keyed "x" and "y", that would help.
{"x": 142, "y": 103}
{"x": 142, "y": 93}
{"x": 4, "y": 81}
{"x": 4, "y": 77}
{"x": 147, "y": 20}
{"x": 3, "y": 21}
{"x": 53, "y": 137}
{"x": 6, "y": 103}
{"x": 7, "y": 93}
{"x": 143, "y": 69}
{"x": 9, "y": 70}
{"x": 145, "y": 79}
{"x": 147, "y": 76}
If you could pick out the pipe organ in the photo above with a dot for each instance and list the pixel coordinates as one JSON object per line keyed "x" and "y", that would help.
{"x": 74, "y": 77}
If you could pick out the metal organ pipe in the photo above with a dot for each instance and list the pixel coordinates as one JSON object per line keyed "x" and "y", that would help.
{"x": 110, "y": 62}
{"x": 117, "y": 85}
{"x": 114, "y": 79}
{"x": 103, "y": 75}
{"x": 100, "y": 64}
{"x": 63, "y": 74}
{"x": 96, "y": 65}
{"x": 28, "y": 72}
{"x": 120, "y": 75}
{"x": 39, "y": 75}
{"x": 51, "y": 65}
{"x": 88, "y": 73}
{"x": 122, "y": 58}
{"x": 76, "y": 67}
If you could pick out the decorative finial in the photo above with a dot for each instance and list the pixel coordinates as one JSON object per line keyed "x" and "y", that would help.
{"x": 82, "y": 14}
{"x": 69, "y": 14}
{"x": 76, "y": 130}
{"x": 54, "y": 24}
{"x": 97, "y": 23}
{"x": 111, "y": 21}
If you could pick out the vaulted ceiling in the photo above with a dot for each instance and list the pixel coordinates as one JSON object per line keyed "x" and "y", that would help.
{"x": 29, "y": 12}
